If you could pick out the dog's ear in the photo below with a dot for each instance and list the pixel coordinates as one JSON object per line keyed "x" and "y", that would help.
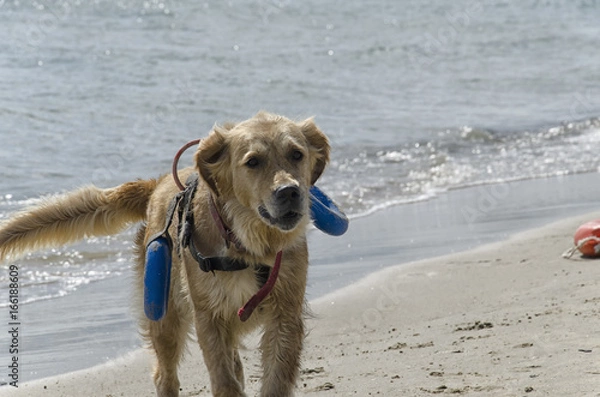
{"x": 211, "y": 156}
{"x": 318, "y": 145}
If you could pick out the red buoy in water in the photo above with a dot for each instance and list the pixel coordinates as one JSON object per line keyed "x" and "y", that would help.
{"x": 587, "y": 238}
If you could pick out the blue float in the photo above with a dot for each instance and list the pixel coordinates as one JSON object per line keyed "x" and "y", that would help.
{"x": 326, "y": 216}
{"x": 157, "y": 278}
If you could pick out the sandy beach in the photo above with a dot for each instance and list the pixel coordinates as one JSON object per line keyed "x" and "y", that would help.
{"x": 506, "y": 319}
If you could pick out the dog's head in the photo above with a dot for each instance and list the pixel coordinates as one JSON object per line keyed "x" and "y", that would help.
{"x": 267, "y": 165}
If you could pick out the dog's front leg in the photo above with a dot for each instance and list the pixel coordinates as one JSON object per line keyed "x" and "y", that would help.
{"x": 220, "y": 356}
{"x": 281, "y": 347}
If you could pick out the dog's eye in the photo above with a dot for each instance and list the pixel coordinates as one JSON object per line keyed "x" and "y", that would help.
{"x": 252, "y": 162}
{"x": 297, "y": 155}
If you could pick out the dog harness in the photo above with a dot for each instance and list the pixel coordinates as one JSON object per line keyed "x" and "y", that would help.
{"x": 182, "y": 202}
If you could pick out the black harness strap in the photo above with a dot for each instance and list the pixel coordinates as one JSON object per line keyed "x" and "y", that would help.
{"x": 221, "y": 263}
{"x": 173, "y": 205}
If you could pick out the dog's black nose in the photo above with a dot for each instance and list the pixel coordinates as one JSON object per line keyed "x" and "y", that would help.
{"x": 287, "y": 194}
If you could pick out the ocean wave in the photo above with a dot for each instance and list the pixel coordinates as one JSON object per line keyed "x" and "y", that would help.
{"x": 52, "y": 282}
{"x": 9, "y": 201}
{"x": 58, "y": 287}
{"x": 58, "y": 272}
{"x": 376, "y": 178}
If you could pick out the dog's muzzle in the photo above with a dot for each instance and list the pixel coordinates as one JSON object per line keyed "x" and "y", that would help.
{"x": 286, "y": 207}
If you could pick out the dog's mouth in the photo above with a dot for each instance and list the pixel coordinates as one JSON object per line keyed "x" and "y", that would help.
{"x": 286, "y": 221}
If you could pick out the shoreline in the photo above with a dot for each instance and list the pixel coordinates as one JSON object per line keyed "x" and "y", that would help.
{"x": 455, "y": 221}
{"x": 505, "y": 318}
{"x": 95, "y": 325}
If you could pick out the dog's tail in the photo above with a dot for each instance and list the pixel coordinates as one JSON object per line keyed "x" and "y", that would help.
{"x": 63, "y": 219}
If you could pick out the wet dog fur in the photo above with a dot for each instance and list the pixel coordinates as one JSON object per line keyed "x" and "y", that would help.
{"x": 259, "y": 173}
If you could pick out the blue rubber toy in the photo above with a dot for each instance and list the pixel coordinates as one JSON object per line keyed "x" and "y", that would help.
{"x": 157, "y": 278}
{"x": 326, "y": 216}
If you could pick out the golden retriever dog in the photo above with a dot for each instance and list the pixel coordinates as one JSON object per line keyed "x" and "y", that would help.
{"x": 251, "y": 204}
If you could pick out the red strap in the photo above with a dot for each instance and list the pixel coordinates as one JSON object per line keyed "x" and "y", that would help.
{"x": 218, "y": 220}
{"x": 245, "y": 312}
{"x": 176, "y": 161}
{"x": 227, "y": 234}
